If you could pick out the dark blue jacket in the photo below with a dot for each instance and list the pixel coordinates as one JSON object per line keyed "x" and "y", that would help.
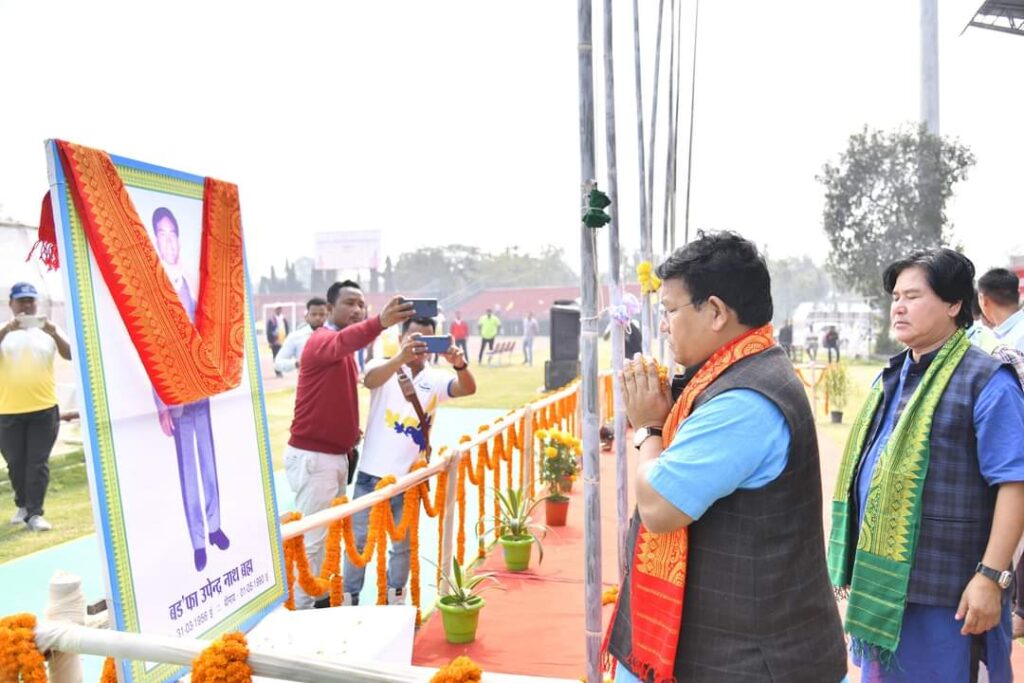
{"x": 958, "y": 504}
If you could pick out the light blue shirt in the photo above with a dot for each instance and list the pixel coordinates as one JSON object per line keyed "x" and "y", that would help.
{"x": 1011, "y": 331}
{"x": 737, "y": 440}
{"x": 291, "y": 351}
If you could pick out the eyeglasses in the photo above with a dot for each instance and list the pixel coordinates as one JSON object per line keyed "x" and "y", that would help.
{"x": 664, "y": 312}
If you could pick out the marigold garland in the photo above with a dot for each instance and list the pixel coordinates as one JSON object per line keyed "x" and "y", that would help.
{"x": 20, "y": 659}
{"x": 109, "y": 674}
{"x": 223, "y": 661}
{"x": 460, "y": 542}
{"x": 610, "y": 595}
{"x": 499, "y": 455}
{"x": 460, "y": 670}
{"x": 382, "y": 524}
{"x": 481, "y": 465}
{"x": 649, "y": 282}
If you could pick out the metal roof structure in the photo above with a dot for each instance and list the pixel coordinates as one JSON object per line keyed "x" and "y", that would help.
{"x": 1006, "y": 16}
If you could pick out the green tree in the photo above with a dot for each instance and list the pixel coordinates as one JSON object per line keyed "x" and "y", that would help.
{"x": 795, "y": 280}
{"x": 885, "y": 198}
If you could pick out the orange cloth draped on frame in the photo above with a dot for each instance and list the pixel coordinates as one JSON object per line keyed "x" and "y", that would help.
{"x": 185, "y": 361}
{"x": 658, "y": 573}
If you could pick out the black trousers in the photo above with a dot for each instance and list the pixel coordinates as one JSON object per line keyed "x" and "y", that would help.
{"x": 830, "y": 350}
{"x": 26, "y": 440}
{"x": 464, "y": 345}
{"x": 484, "y": 343}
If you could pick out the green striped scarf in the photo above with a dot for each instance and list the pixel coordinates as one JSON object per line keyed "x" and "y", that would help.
{"x": 876, "y": 579}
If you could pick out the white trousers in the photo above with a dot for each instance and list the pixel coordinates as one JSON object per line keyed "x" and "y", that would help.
{"x": 316, "y": 479}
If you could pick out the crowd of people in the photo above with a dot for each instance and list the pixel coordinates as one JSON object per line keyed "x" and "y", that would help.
{"x": 730, "y": 576}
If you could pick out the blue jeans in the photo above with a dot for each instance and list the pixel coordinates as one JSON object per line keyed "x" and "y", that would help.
{"x": 528, "y": 350}
{"x": 398, "y": 558}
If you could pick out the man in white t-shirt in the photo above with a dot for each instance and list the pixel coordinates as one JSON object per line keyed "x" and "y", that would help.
{"x": 394, "y": 438}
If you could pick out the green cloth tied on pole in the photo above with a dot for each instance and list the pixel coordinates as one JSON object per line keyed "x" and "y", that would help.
{"x": 595, "y": 215}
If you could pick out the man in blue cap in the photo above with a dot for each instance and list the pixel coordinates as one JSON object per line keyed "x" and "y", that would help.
{"x": 29, "y": 418}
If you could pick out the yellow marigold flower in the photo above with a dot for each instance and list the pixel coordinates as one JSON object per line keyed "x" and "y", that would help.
{"x": 551, "y": 451}
{"x": 542, "y": 434}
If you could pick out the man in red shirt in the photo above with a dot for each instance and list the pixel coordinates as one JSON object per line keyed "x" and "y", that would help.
{"x": 460, "y": 334}
{"x": 325, "y": 429}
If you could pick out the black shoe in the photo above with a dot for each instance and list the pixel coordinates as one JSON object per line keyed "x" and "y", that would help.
{"x": 200, "y": 559}
{"x": 219, "y": 539}
{"x": 322, "y": 603}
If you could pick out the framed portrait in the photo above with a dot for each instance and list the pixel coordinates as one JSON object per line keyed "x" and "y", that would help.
{"x": 182, "y": 492}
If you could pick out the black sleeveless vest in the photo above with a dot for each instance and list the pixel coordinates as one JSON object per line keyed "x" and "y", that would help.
{"x": 758, "y": 606}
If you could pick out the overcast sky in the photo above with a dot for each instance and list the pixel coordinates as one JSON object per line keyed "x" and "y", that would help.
{"x": 456, "y": 121}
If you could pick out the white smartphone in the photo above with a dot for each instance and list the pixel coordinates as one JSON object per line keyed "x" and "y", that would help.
{"x": 30, "y": 321}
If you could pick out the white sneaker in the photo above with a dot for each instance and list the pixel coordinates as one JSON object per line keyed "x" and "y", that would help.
{"x": 396, "y": 596}
{"x": 37, "y": 523}
{"x": 19, "y": 516}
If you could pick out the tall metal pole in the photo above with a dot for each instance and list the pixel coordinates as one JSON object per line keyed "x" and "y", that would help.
{"x": 646, "y": 249}
{"x": 675, "y": 127}
{"x": 930, "y": 65}
{"x": 615, "y": 291}
{"x": 588, "y": 352}
{"x": 689, "y": 149}
{"x": 670, "y": 153}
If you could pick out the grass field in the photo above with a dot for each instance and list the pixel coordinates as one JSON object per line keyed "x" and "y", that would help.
{"x": 861, "y": 376}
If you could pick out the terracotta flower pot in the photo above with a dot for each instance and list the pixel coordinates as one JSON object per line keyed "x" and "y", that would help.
{"x": 555, "y": 511}
{"x": 460, "y": 623}
{"x": 517, "y": 552}
{"x": 566, "y": 484}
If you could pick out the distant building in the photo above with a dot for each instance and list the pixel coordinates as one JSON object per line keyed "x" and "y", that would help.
{"x": 1017, "y": 266}
{"x": 855, "y": 321}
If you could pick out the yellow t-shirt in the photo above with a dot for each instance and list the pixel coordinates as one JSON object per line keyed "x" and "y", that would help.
{"x": 26, "y": 372}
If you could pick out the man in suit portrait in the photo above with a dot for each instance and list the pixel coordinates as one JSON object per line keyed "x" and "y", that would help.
{"x": 189, "y": 424}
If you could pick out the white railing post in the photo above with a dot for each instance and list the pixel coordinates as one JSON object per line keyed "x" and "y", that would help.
{"x": 66, "y": 603}
{"x": 450, "y": 505}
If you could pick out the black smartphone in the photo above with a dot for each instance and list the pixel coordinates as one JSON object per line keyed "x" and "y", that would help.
{"x": 424, "y": 308}
{"x": 437, "y": 344}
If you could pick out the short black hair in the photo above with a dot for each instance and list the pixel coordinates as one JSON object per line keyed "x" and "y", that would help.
{"x": 422, "y": 322}
{"x": 950, "y": 274}
{"x": 332, "y": 291}
{"x": 1001, "y": 285}
{"x": 163, "y": 213}
{"x": 725, "y": 265}
{"x": 315, "y": 301}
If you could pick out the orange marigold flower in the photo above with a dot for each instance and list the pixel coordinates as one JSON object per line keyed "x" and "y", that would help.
{"x": 459, "y": 670}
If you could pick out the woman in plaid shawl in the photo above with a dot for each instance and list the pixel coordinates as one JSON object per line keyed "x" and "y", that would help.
{"x": 929, "y": 502}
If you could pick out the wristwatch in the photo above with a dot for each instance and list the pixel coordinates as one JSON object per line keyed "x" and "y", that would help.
{"x": 1004, "y": 579}
{"x": 642, "y": 434}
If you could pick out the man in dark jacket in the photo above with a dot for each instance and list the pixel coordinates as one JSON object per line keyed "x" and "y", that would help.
{"x": 727, "y": 579}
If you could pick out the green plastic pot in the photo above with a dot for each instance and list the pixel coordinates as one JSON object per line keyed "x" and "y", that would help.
{"x": 517, "y": 552}
{"x": 460, "y": 622}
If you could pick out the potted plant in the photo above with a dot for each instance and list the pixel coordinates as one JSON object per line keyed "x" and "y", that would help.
{"x": 559, "y": 467}
{"x": 516, "y": 528}
{"x": 460, "y": 608}
{"x": 837, "y": 387}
